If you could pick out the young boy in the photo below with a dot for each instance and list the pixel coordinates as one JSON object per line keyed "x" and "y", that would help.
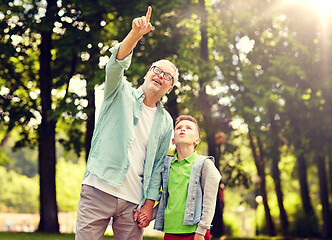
{"x": 190, "y": 186}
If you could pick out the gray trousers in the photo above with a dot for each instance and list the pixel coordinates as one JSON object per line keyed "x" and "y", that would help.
{"x": 94, "y": 211}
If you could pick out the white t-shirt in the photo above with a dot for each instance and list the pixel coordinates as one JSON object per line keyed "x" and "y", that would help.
{"x": 132, "y": 187}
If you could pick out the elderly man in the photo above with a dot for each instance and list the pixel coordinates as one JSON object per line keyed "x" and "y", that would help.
{"x": 129, "y": 145}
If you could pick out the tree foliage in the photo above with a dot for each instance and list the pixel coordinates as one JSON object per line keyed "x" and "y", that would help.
{"x": 254, "y": 70}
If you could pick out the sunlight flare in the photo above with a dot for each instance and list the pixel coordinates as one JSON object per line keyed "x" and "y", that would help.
{"x": 324, "y": 7}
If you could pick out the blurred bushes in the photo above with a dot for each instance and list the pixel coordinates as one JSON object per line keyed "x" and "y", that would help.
{"x": 18, "y": 193}
{"x": 304, "y": 225}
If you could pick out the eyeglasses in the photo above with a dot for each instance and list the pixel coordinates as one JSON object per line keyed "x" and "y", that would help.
{"x": 168, "y": 77}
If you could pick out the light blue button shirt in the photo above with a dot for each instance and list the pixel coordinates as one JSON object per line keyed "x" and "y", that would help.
{"x": 113, "y": 135}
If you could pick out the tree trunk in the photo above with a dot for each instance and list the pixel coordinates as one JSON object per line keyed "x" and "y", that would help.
{"x": 90, "y": 123}
{"x": 277, "y": 184}
{"x": 323, "y": 193}
{"x": 47, "y": 158}
{"x": 91, "y": 70}
{"x": 217, "y": 229}
{"x": 91, "y": 108}
{"x": 4, "y": 140}
{"x": 172, "y": 105}
{"x": 304, "y": 189}
{"x": 259, "y": 162}
{"x": 275, "y": 154}
{"x": 330, "y": 173}
{"x": 218, "y": 219}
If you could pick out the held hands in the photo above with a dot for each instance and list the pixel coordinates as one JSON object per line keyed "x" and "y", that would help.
{"x": 198, "y": 236}
{"x": 144, "y": 217}
{"x": 147, "y": 209}
{"x": 142, "y": 25}
{"x": 141, "y": 218}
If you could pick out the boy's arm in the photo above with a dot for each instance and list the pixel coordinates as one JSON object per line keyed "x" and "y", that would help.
{"x": 210, "y": 184}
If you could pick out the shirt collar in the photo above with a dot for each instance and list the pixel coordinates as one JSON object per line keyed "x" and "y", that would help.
{"x": 140, "y": 94}
{"x": 189, "y": 159}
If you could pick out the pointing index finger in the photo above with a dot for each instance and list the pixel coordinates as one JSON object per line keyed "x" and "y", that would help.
{"x": 148, "y": 14}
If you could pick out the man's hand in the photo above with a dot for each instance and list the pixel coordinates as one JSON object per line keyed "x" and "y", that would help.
{"x": 142, "y": 25}
{"x": 198, "y": 236}
{"x": 138, "y": 216}
{"x": 144, "y": 217}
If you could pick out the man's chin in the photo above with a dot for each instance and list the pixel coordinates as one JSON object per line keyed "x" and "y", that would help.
{"x": 155, "y": 87}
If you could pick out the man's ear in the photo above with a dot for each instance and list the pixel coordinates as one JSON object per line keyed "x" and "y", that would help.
{"x": 169, "y": 90}
{"x": 173, "y": 142}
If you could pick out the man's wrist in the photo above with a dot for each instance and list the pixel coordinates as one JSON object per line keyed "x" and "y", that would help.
{"x": 149, "y": 202}
{"x": 135, "y": 35}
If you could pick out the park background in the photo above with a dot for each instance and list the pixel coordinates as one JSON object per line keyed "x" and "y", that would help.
{"x": 257, "y": 75}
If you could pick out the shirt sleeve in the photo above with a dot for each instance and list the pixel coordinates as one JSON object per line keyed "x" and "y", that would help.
{"x": 115, "y": 71}
{"x": 154, "y": 192}
{"x": 210, "y": 184}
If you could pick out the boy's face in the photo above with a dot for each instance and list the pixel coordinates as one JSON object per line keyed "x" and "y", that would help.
{"x": 186, "y": 133}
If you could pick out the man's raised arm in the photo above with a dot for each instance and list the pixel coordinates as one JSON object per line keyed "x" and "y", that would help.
{"x": 140, "y": 26}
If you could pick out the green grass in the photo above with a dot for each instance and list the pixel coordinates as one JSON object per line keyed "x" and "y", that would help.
{"x": 48, "y": 236}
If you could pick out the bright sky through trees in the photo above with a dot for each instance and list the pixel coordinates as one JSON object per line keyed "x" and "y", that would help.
{"x": 323, "y": 7}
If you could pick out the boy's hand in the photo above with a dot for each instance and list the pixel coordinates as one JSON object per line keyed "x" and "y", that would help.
{"x": 147, "y": 211}
{"x": 198, "y": 236}
{"x": 142, "y": 25}
{"x": 139, "y": 217}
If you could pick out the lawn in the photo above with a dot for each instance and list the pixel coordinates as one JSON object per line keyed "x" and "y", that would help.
{"x": 48, "y": 236}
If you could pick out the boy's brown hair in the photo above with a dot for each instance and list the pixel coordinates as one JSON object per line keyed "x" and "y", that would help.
{"x": 189, "y": 118}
